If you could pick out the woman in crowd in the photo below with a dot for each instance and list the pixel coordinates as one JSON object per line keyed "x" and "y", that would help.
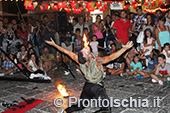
{"x": 34, "y": 65}
{"x": 148, "y": 23}
{"x": 97, "y": 30}
{"x": 162, "y": 34}
{"x": 22, "y": 55}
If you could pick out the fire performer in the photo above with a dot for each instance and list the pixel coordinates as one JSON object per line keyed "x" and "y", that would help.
{"x": 93, "y": 72}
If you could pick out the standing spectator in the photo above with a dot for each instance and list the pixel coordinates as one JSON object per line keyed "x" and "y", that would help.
{"x": 15, "y": 27}
{"x": 162, "y": 34}
{"x": 157, "y": 15}
{"x": 47, "y": 28}
{"x": 38, "y": 41}
{"x": 2, "y": 32}
{"x": 167, "y": 23}
{"x": 80, "y": 25}
{"x": 97, "y": 30}
{"x": 166, "y": 52}
{"x": 23, "y": 34}
{"x": 6, "y": 21}
{"x": 139, "y": 19}
{"x": 108, "y": 22}
{"x": 78, "y": 42}
{"x": 94, "y": 45}
{"x": 10, "y": 36}
{"x": 148, "y": 41}
{"x": 48, "y": 31}
{"x": 148, "y": 23}
{"x": 90, "y": 22}
{"x": 75, "y": 21}
{"x": 67, "y": 44}
{"x": 122, "y": 27}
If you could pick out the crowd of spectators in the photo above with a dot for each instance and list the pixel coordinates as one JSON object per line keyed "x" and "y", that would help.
{"x": 150, "y": 33}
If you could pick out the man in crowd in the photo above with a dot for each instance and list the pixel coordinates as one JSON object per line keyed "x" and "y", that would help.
{"x": 157, "y": 15}
{"x": 94, "y": 74}
{"x": 8, "y": 66}
{"x": 167, "y": 23}
{"x": 47, "y": 59}
{"x": 122, "y": 27}
{"x": 139, "y": 19}
{"x": 47, "y": 31}
{"x": 81, "y": 24}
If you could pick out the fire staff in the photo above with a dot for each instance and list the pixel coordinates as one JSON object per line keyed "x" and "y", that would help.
{"x": 93, "y": 72}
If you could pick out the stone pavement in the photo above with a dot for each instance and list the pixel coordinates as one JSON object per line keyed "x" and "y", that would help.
{"x": 116, "y": 87}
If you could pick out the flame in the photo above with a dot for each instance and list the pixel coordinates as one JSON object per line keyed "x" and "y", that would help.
{"x": 85, "y": 41}
{"x": 62, "y": 90}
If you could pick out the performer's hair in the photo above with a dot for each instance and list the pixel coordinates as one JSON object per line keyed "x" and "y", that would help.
{"x": 81, "y": 59}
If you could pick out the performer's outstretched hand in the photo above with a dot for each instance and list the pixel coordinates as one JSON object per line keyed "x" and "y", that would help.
{"x": 128, "y": 45}
{"x": 50, "y": 42}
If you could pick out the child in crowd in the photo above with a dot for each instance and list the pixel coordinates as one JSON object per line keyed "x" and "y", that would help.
{"x": 86, "y": 32}
{"x": 113, "y": 48}
{"x": 166, "y": 52}
{"x": 148, "y": 41}
{"x": 95, "y": 45}
{"x": 152, "y": 62}
{"x": 162, "y": 72}
{"x": 78, "y": 42}
{"x": 119, "y": 66}
{"x": 135, "y": 66}
{"x": 78, "y": 46}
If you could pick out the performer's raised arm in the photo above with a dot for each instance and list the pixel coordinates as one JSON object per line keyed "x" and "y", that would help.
{"x": 63, "y": 50}
{"x": 115, "y": 55}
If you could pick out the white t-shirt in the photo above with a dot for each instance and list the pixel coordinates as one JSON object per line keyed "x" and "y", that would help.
{"x": 23, "y": 56}
{"x": 94, "y": 46}
{"x": 167, "y": 58}
{"x": 33, "y": 67}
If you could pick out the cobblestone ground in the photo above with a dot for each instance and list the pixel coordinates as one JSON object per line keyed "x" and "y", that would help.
{"x": 116, "y": 87}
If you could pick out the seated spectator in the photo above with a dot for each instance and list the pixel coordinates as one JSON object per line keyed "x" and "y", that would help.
{"x": 134, "y": 67}
{"x": 94, "y": 44}
{"x": 8, "y": 66}
{"x": 162, "y": 72}
{"x": 166, "y": 52}
{"x": 47, "y": 59}
{"x": 113, "y": 48}
{"x": 34, "y": 65}
{"x": 30, "y": 51}
{"x": 22, "y": 55}
{"x": 152, "y": 62}
{"x": 119, "y": 66}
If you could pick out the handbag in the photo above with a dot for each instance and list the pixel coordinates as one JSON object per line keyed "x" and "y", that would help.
{"x": 140, "y": 37}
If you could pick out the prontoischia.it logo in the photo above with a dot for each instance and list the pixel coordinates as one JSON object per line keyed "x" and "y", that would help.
{"x": 110, "y": 102}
